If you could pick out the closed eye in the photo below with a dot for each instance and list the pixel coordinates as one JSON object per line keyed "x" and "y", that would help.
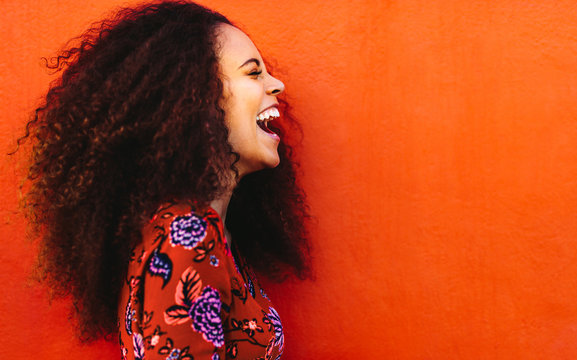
{"x": 255, "y": 73}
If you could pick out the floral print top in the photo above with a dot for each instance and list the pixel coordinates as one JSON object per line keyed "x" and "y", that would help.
{"x": 185, "y": 297}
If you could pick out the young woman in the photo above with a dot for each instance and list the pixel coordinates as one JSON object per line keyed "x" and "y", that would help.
{"x": 159, "y": 180}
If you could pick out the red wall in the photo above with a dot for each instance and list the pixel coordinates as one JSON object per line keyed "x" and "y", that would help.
{"x": 440, "y": 158}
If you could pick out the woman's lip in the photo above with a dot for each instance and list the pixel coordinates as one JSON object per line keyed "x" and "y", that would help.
{"x": 272, "y": 135}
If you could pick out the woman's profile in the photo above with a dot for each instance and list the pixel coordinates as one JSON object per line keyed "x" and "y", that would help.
{"x": 160, "y": 179}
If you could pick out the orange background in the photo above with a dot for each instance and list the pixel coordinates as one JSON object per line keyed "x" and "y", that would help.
{"x": 440, "y": 158}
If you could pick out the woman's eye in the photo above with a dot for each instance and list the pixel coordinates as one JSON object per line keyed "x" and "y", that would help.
{"x": 255, "y": 73}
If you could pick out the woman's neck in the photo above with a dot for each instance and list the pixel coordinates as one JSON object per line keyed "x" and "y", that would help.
{"x": 220, "y": 205}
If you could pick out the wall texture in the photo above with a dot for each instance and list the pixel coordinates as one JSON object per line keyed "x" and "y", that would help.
{"x": 440, "y": 158}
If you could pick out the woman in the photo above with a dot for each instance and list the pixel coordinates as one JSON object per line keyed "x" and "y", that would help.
{"x": 158, "y": 133}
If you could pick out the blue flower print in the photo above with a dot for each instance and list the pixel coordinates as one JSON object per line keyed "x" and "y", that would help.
{"x": 205, "y": 313}
{"x": 215, "y": 356}
{"x": 187, "y": 231}
{"x": 160, "y": 265}
{"x": 250, "y": 287}
{"x": 263, "y": 294}
{"x": 174, "y": 354}
{"x": 236, "y": 266}
{"x": 214, "y": 261}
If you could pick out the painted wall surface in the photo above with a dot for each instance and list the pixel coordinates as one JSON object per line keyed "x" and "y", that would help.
{"x": 440, "y": 158}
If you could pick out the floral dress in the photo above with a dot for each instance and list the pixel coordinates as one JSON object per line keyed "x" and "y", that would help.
{"x": 185, "y": 297}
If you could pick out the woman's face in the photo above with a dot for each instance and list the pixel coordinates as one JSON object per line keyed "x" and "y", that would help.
{"x": 249, "y": 101}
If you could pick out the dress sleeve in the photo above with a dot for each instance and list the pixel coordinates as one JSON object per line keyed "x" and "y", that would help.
{"x": 186, "y": 294}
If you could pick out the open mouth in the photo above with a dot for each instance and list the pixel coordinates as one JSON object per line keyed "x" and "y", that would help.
{"x": 264, "y": 126}
{"x": 265, "y": 117}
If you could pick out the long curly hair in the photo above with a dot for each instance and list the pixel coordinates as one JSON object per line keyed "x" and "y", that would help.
{"x": 134, "y": 121}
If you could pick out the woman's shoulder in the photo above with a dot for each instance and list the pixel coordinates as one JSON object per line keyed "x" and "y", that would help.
{"x": 183, "y": 223}
{"x": 183, "y": 208}
{"x": 179, "y": 293}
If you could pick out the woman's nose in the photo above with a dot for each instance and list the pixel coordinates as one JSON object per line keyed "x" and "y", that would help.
{"x": 274, "y": 86}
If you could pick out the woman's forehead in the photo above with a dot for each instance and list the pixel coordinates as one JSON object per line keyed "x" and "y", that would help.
{"x": 235, "y": 47}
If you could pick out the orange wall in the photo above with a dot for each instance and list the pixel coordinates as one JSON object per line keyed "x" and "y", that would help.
{"x": 440, "y": 158}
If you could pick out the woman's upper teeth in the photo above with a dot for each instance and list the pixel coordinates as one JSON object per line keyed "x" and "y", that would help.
{"x": 269, "y": 113}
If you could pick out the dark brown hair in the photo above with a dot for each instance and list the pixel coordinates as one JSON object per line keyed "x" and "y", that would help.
{"x": 133, "y": 121}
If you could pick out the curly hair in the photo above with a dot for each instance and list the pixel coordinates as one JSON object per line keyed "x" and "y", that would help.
{"x": 133, "y": 121}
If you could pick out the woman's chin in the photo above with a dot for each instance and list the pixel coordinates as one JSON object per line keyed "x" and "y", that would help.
{"x": 270, "y": 162}
{"x": 273, "y": 159}
{"x": 275, "y": 164}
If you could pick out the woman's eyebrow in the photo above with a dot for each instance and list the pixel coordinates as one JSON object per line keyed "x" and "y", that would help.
{"x": 254, "y": 60}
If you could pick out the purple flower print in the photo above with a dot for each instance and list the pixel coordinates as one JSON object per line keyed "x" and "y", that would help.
{"x": 128, "y": 317}
{"x": 205, "y": 314}
{"x": 123, "y": 350}
{"x": 138, "y": 344}
{"x": 215, "y": 356}
{"x": 187, "y": 231}
{"x": 272, "y": 318}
